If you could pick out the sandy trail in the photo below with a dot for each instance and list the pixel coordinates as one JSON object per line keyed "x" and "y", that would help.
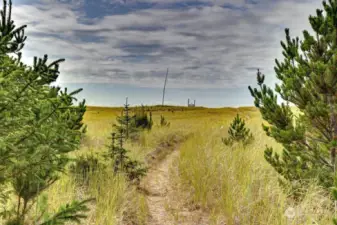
{"x": 165, "y": 206}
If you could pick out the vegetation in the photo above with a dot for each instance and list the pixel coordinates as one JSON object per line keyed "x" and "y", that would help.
{"x": 142, "y": 119}
{"x": 230, "y": 184}
{"x": 131, "y": 125}
{"x": 125, "y": 123}
{"x": 334, "y": 192}
{"x": 307, "y": 81}
{"x": 122, "y": 162}
{"x": 238, "y": 132}
{"x": 39, "y": 127}
{"x": 42, "y": 131}
{"x": 163, "y": 122}
{"x": 84, "y": 166}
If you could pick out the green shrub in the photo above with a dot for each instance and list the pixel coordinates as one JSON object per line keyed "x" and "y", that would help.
{"x": 142, "y": 119}
{"x": 238, "y": 132}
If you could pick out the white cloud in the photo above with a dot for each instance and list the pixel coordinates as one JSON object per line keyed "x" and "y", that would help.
{"x": 204, "y": 47}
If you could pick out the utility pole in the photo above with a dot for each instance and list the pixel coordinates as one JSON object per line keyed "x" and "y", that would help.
{"x": 164, "y": 86}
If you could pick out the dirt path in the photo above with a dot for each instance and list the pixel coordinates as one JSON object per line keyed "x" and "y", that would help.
{"x": 165, "y": 207}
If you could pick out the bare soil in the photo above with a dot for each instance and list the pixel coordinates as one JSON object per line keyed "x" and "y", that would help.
{"x": 164, "y": 204}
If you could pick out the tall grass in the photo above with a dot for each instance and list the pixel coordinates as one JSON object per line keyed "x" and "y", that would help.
{"x": 116, "y": 201}
{"x": 235, "y": 184}
{"x": 110, "y": 192}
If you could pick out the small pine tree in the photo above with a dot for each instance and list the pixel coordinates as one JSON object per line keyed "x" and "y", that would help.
{"x": 238, "y": 132}
{"x": 142, "y": 120}
{"x": 131, "y": 125}
{"x": 133, "y": 169}
{"x": 119, "y": 154}
{"x": 125, "y": 122}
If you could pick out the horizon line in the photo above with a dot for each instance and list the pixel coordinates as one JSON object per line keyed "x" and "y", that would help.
{"x": 234, "y": 107}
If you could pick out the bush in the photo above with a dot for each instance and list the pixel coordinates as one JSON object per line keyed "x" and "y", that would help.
{"x": 142, "y": 119}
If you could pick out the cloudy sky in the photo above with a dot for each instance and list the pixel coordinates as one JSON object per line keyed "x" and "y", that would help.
{"x": 119, "y": 48}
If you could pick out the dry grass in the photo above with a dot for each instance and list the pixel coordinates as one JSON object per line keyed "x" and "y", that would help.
{"x": 235, "y": 185}
{"x": 115, "y": 200}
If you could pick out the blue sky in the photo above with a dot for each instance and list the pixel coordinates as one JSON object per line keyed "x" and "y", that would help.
{"x": 119, "y": 48}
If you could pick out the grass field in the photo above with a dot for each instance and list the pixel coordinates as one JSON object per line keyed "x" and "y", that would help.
{"x": 233, "y": 185}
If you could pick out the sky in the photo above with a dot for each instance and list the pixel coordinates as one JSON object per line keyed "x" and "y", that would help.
{"x": 122, "y": 48}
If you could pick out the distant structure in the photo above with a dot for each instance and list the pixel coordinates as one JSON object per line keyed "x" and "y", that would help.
{"x": 190, "y": 104}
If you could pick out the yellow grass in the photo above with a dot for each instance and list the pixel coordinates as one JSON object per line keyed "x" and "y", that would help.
{"x": 235, "y": 184}
{"x": 231, "y": 184}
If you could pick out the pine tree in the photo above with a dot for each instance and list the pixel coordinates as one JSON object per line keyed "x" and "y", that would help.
{"x": 39, "y": 125}
{"x": 130, "y": 124}
{"x": 133, "y": 169}
{"x": 73, "y": 212}
{"x": 238, "y": 132}
{"x": 125, "y": 122}
{"x": 308, "y": 80}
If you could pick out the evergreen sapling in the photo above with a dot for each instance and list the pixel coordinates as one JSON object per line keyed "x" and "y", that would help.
{"x": 133, "y": 169}
{"x": 125, "y": 123}
{"x": 238, "y": 132}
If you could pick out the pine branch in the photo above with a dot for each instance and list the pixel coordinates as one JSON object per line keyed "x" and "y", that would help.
{"x": 73, "y": 212}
